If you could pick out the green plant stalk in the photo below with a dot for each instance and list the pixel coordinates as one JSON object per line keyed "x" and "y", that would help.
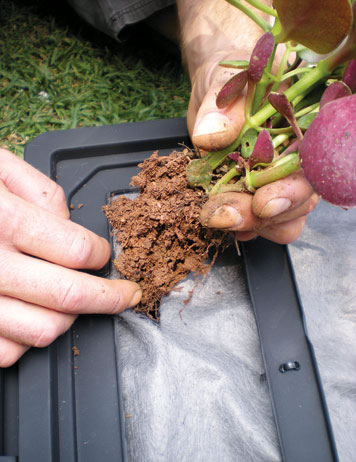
{"x": 224, "y": 180}
{"x": 239, "y": 186}
{"x": 304, "y": 85}
{"x": 282, "y": 67}
{"x": 306, "y": 110}
{"x": 262, "y": 7}
{"x": 278, "y": 169}
{"x": 299, "y": 70}
{"x": 263, "y": 83}
{"x": 293, "y": 93}
{"x": 251, "y": 14}
{"x": 279, "y": 139}
{"x": 215, "y": 158}
{"x": 277, "y": 131}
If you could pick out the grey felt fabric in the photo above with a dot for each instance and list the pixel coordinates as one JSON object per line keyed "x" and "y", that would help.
{"x": 191, "y": 385}
{"x": 112, "y": 16}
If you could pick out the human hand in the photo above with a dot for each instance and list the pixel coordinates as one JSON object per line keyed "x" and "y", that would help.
{"x": 40, "y": 249}
{"x": 276, "y": 211}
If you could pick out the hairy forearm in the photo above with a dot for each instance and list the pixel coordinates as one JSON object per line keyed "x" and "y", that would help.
{"x": 212, "y": 26}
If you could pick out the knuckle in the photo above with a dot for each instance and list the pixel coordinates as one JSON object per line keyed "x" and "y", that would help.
{"x": 73, "y": 298}
{"x": 48, "y": 332}
{"x": 81, "y": 249}
{"x": 55, "y": 195}
{"x": 9, "y": 217}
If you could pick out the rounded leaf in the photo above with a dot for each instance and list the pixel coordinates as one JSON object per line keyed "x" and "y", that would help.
{"x": 328, "y": 152}
{"x": 320, "y": 25}
{"x": 248, "y": 141}
{"x": 334, "y": 91}
{"x": 260, "y": 56}
{"x": 280, "y": 102}
{"x": 231, "y": 90}
{"x": 263, "y": 152}
{"x": 350, "y": 76}
{"x": 199, "y": 173}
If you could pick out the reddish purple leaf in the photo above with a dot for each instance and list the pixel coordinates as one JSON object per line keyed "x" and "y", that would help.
{"x": 263, "y": 151}
{"x": 293, "y": 147}
{"x": 234, "y": 156}
{"x": 260, "y": 56}
{"x": 328, "y": 152}
{"x": 231, "y": 90}
{"x": 350, "y": 75}
{"x": 334, "y": 91}
{"x": 280, "y": 102}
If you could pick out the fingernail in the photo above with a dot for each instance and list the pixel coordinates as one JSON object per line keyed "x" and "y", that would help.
{"x": 213, "y": 122}
{"x": 275, "y": 207}
{"x": 225, "y": 217}
{"x": 136, "y": 298}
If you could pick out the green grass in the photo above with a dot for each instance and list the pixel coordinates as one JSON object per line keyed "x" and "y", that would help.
{"x": 88, "y": 77}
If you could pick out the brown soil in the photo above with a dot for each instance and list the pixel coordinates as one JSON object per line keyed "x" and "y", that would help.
{"x": 159, "y": 232}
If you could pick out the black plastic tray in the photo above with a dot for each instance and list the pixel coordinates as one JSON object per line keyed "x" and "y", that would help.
{"x": 55, "y": 406}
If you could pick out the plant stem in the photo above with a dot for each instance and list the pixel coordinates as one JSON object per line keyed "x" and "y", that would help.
{"x": 251, "y": 14}
{"x": 304, "y": 85}
{"x": 223, "y": 180}
{"x": 282, "y": 67}
{"x": 263, "y": 83}
{"x": 215, "y": 158}
{"x": 251, "y": 90}
{"x": 279, "y": 139}
{"x": 279, "y": 169}
{"x": 306, "y": 110}
{"x": 300, "y": 70}
{"x": 277, "y": 131}
{"x": 262, "y": 7}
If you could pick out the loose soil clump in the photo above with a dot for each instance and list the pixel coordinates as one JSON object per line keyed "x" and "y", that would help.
{"x": 159, "y": 232}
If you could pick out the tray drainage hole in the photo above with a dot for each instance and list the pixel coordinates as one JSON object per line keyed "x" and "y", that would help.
{"x": 289, "y": 366}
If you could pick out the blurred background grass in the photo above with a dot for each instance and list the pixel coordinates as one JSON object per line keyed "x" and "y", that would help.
{"x": 56, "y": 72}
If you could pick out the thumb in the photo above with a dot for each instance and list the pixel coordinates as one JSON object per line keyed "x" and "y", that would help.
{"x": 211, "y": 128}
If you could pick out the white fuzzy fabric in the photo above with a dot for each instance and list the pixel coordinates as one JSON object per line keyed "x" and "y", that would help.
{"x": 191, "y": 385}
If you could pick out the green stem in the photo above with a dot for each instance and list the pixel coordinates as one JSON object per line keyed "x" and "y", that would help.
{"x": 224, "y": 180}
{"x": 279, "y": 139}
{"x": 282, "y": 67}
{"x": 251, "y": 14}
{"x": 262, "y": 7}
{"x": 277, "y": 131}
{"x": 279, "y": 169}
{"x": 251, "y": 90}
{"x": 263, "y": 83}
{"x": 216, "y": 158}
{"x": 239, "y": 186}
{"x": 300, "y": 70}
{"x": 306, "y": 110}
{"x": 304, "y": 85}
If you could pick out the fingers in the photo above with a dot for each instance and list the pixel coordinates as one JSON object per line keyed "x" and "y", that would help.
{"x": 33, "y": 186}
{"x": 284, "y": 233}
{"x": 62, "y": 289}
{"x": 280, "y": 196}
{"x": 231, "y": 211}
{"x": 211, "y": 128}
{"x": 31, "y": 325}
{"x": 10, "y": 352}
{"x": 237, "y": 211}
{"x": 37, "y": 232}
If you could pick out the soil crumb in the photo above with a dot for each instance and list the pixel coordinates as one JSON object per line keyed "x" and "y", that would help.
{"x": 160, "y": 235}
